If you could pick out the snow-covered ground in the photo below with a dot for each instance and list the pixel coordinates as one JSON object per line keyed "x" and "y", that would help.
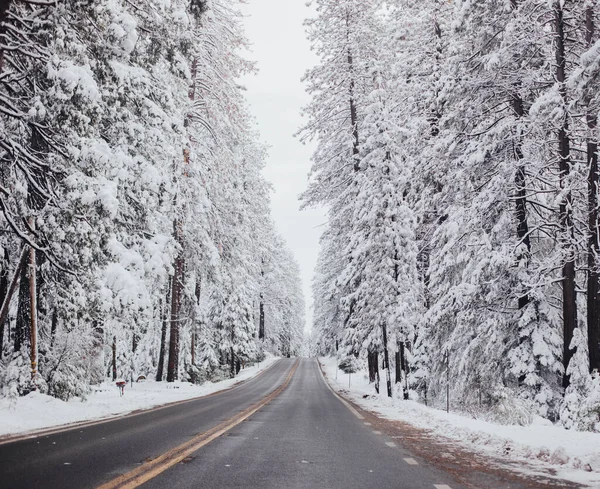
{"x": 38, "y": 411}
{"x": 574, "y": 455}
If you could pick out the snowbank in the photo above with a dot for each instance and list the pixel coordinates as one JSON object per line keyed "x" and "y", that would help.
{"x": 575, "y": 456}
{"x": 38, "y": 411}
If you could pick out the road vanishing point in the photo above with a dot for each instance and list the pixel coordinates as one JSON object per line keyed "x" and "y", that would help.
{"x": 283, "y": 429}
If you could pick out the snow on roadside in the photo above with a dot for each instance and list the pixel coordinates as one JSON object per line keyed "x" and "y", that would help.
{"x": 37, "y": 411}
{"x": 575, "y": 456}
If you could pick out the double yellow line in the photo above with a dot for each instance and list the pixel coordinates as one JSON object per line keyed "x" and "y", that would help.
{"x": 151, "y": 469}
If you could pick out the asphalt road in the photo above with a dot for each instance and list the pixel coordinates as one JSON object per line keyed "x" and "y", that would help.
{"x": 304, "y": 438}
{"x": 86, "y": 457}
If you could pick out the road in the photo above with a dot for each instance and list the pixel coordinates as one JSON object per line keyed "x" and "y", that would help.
{"x": 283, "y": 429}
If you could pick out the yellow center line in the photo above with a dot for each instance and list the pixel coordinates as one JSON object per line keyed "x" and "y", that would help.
{"x": 151, "y": 469}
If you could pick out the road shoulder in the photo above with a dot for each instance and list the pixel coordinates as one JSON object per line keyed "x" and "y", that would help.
{"x": 474, "y": 468}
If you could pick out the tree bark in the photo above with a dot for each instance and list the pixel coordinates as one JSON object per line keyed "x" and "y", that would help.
{"x": 386, "y": 357}
{"x": 565, "y": 208}
{"x": 593, "y": 286}
{"x": 23, "y": 323}
{"x": 163, "y": 334}
{"x": 176, "y": 292}
{"x": 261, "y": 319}
{"x": 521, "y": 200}
{"x": 114, "y": 358}
{"x": 33, "y": 313}
{"x": 3, "y": 293}
{"x": 352, "y": 101}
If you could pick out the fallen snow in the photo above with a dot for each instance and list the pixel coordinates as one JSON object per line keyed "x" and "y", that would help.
{"x": 574, "y": 455}
{"x": 37, "y": 411}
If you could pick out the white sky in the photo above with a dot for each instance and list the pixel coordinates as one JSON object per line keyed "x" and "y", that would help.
{"x": 276, "y": 95}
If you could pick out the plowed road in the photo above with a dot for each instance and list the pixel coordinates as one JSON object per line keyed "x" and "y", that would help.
{"x": 283, "y": 429}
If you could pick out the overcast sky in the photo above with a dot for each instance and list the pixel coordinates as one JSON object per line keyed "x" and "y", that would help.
{"x": 276, "y": 95}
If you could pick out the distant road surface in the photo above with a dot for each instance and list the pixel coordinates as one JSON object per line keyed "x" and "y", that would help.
{"x": 283, "y": 429}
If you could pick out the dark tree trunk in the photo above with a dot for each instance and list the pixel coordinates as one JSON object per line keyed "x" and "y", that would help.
{"x": 521, "y": 200}
{"x": 593, "y": 288}
{"x": 3, "y": 293}
{"x": 176, "y": 290}
{"x": 114, "y": 358}
{"x": 386, "y": 357}
{"x": 163, "y": 334}
{"x": 373, "y": 361}
{"x": 398, "y": 368}
{"x": 134, "y": 342}
{"x": 261, "y": 319}
{"x": 352, "y": 101}
{"x": 565, "y": 208}
{"x": 373, "y": 365}
{"x": 404, "y": 363}
{"x": 23, "y": 311}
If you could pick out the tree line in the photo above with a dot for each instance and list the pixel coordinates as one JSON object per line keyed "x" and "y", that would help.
{"x": 457, "y": 153}
{"x": 135, "y": 232}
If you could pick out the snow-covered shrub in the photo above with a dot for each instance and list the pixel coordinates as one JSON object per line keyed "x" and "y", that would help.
{"x": 348, "y": 365}
{"x": 580, "y": 408}
{"x": 16, "y": 377}
{"x": 68, "y": 366}
{"x": 508, "y": 409}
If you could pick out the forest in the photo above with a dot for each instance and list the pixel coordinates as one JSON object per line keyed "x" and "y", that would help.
{"x": 135, "y": 234}
{"x": 457, "y": 155}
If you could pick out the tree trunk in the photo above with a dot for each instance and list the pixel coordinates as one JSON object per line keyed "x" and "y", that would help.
{"x": 114, "y": 358}
{"x": 386, "y": 357}
{"x": 176, "y": 290}
{"x": 565, "y": 208}
{"x": 352, "y": 101}
{"x": 521, "y": 194}
{"x": 261, "y": 319}
{"x": 398, "y": 368}
{"x": 33, "y": 313}
{"x": 193, "y": 346}
{"x": 163, "y": 334}
{"x": 404, "y": 363}
{"x": 23, "y": 322}
{"x": 593, "y": 288}
{"x": 3, "y": 293}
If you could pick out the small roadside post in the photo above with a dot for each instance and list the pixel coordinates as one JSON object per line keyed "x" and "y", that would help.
{"x": 121, "y": 383}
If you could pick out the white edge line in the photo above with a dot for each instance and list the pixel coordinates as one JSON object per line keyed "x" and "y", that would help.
{"x": 343, "y": 401}
{"x": 411, "y": 461}
{"x": 441, "y": 486}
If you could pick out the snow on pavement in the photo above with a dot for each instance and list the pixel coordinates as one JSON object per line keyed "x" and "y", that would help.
{"x": 37, "y": 411}
{"x": 575, "y": 456}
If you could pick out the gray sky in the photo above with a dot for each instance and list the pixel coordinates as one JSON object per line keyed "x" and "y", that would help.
{"x": 276, "y": 95}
